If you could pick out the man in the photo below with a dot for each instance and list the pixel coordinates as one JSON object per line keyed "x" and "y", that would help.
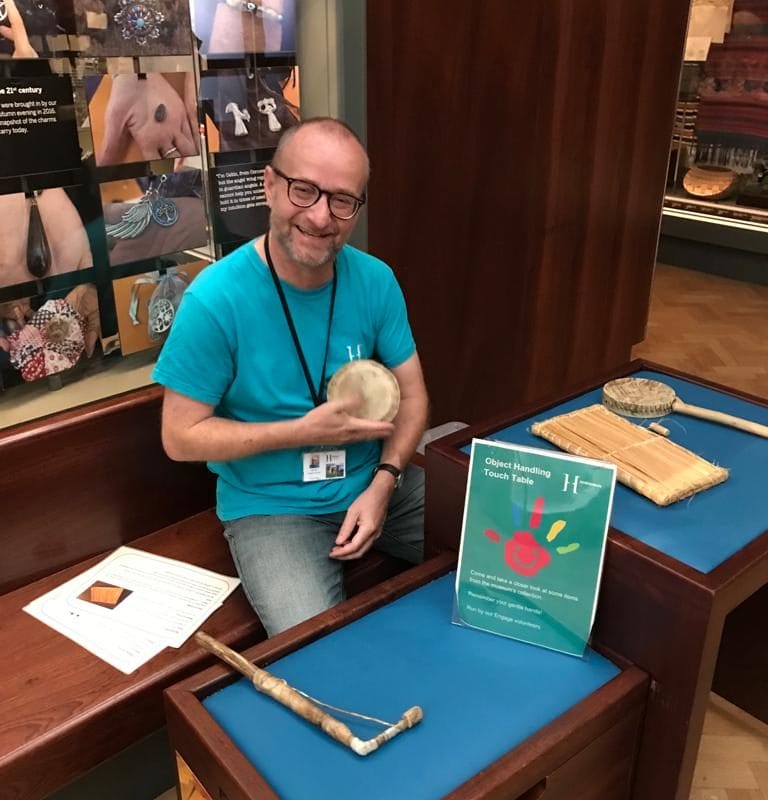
{"x": 245, "y": 368}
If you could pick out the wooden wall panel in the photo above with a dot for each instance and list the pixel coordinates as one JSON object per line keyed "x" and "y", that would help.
{"x": 519, "y": 157}
{"x": 88, "y": 480}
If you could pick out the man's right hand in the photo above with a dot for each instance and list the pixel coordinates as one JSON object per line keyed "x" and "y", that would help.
{"x": 192, "y": 432}
{"x": 334, "y": 422}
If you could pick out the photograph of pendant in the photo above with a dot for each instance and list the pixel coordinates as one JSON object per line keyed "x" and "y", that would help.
{"x": 139, "y": 21}
{"x": 268, "y": 106}
{"x": 161, "y": 316}
{"x": 151, "y": 216}
{"x": 3, "y": 11}
{"x": 38, "y": 249}
{"x": 152, "y": 206}
{"x": 241, "y": 129}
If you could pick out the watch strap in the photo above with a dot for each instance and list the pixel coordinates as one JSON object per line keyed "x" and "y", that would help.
{"x": 396, "y": 473}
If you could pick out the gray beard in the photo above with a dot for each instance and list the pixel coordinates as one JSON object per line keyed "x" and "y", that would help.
{"x": 315, "y": 263}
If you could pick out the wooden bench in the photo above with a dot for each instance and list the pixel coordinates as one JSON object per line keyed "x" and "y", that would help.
{"x": 75, "y": 487}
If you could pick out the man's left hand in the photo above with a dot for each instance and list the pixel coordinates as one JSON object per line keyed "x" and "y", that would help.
{"x": 364, "y": 520}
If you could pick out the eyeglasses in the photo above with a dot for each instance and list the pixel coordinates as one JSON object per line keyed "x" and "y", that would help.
{"x": 305, "y": 194}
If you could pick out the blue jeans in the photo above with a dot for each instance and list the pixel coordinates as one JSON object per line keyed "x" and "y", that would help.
{"x": 283, "y": 562}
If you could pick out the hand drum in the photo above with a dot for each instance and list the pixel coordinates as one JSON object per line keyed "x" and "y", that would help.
{"x": 371, "y": 381}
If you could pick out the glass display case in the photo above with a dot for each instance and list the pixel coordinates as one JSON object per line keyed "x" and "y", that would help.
{"x": 134, "y": 135}
{"x": 718, "y": 166}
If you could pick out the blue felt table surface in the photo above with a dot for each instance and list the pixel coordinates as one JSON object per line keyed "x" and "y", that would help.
{"x": 705, "y": 530}
{"x": 481, "y": 694}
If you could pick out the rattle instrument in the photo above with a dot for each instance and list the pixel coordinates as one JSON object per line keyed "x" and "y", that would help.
{"x": 371, "y": 381}
{"x": 642, "y": 397}
{"x": 307, "y": 707}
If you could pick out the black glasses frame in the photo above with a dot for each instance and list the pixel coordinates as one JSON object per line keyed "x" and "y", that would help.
{"x": 360, "y": 201}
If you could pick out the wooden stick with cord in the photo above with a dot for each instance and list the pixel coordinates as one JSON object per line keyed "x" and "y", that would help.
{"x": 292, "y": 699}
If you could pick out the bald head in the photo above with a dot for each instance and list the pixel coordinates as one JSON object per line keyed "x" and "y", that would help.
{"x": 301, "y": 136}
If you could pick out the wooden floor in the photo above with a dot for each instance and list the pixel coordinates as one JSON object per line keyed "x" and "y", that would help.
{"x": 717, "y": 329}
{"x": 709, "y": 326}
{"x": 733, "y": 757}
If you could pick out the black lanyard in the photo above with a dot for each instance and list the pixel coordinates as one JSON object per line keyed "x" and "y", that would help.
{"x": 319, "y": 394}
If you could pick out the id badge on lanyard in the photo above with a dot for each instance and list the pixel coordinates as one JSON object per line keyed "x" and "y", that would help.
{"x": 324, "y": 465}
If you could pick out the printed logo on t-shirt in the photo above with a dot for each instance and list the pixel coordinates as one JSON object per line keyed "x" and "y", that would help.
{"x": 354, "y": 351}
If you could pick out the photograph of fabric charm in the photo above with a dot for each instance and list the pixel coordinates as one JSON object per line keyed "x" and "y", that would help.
{"x": 38, "y": 249}
{"x": 268, "y": 106}
{"x": 241, "y": 128}
{"x": 51, "y": 342}
{"x": 139, "y": 22}
{"x": 152, "y": 206}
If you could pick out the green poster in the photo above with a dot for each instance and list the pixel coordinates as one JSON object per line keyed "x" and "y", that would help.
{"x": 532, "y": 544}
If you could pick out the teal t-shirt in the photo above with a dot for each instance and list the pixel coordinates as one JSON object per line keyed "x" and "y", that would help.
{"x": 230, "y": 346}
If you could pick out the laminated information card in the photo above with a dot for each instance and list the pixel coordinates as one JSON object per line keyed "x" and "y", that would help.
{"x": 532, "y": 544}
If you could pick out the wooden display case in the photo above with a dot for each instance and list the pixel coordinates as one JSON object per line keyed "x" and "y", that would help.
{"x": 672, "y": 576}
{"x": 558, "y": 726}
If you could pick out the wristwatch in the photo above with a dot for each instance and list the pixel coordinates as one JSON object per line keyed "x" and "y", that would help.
{"x": 396, "y": 473}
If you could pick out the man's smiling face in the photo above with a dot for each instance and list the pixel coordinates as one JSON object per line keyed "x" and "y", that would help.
{"x": 311, "y": 237}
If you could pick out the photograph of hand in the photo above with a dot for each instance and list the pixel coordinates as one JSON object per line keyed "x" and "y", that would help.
{"x": 230, "y": 28}
{"x": 31, "y": 28}
{"x": 142, "y": 118}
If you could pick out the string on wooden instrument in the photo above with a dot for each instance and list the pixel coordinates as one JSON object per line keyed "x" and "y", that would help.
{"x": 306, "y": 706}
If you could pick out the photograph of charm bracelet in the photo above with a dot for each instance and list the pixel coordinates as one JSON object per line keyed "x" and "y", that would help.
{"x": 249, "y": 112}
{"x": 231, "y": 28}
{"x": 142, "y": 117}
{"x": 133, "y": 27}
{"x": 40, "y": 236}
{"x": 148, "y": 217}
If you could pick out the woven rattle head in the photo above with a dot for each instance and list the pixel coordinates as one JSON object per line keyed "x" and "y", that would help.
{"x": 638, "y": 397}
